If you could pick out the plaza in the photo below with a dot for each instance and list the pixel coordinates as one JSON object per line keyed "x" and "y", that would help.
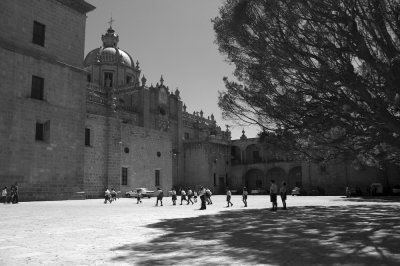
{"x": 327, "y": 230}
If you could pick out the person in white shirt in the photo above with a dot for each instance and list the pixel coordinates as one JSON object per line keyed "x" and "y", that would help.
{"x": 4, "y": 195}
{"x": 273, "y": 191}
{"x": 208, "y": 196}
{"x": 189, "y": 196}
{"x": 183, "y": 196}
{"x": 173, "y": 196}
{"x": 107, "y": 196}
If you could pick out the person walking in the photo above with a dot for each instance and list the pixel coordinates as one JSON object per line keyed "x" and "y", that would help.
{"x": 208, "y": 196}
{"x": 195, "y": 196}
{"x": 202, "y": 194}
{"x": 283, "y": 193}
{"x": 173, "y": 196}
{"x": 15, "y": 197}
{"x": 4, "y": 194}
{"x": 228, "y": 197}
{"x": 113, "y": 194}
{"x": 139, "y": 196}
{"x": 244, "y": 195}
{"x": 107, "y": 196}
{"x": 273, "y": 191}
{"x": 189, "y": 196}
{"x": 183, "y": 195}
{"x": 160, "y": 195}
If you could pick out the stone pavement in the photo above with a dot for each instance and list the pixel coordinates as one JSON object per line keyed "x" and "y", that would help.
{"x": 313, "y": 231}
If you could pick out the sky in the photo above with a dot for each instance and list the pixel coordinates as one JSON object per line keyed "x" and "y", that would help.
{"x": 173, "y": 38}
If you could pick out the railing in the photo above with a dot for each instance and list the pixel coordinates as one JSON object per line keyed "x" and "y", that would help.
{"x": 126, "y": 88}
{"x": 95, "y": 88}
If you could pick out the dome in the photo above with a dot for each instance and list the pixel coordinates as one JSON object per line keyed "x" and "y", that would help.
{"x": 109, "y": 53}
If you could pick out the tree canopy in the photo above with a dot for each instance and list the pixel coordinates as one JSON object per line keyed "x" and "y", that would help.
{"x": 324, "y": 74}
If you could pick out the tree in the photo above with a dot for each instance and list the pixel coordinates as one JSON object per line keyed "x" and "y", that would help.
{"x": 323, "y": 73}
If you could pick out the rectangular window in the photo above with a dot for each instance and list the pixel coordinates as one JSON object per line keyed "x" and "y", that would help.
{"x": 38, "y": 33}
{"x": 128, "y": 79}
{"x": 157, "y": 176}
{"x": 42, "y": 131}
{"x": 89, "y": 78}
{"x": 108, "y": 79}
{"x": 124, "y": 176}
{"x": 187, "y": 135}
{"x": 37, "y": 88}
{"x": 87, "y": 136}
{"x": 215, "y": 180}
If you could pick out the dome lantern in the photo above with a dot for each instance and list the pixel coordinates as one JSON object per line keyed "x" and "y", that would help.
{"x": 110, "y": 39}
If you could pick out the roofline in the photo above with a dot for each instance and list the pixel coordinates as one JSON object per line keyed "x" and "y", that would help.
{"x": 78, "y": 5}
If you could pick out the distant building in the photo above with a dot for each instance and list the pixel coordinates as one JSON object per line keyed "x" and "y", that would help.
{"x": 254, "y": 164}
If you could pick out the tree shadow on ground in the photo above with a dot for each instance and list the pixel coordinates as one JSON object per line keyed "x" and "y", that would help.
{"x": 335, "y": 235}
{"x": 374, "y": 199}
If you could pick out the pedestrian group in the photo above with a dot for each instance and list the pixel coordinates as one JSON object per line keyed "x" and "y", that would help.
{"x": 10, "y": 195}
{"x": 190, "y": 196}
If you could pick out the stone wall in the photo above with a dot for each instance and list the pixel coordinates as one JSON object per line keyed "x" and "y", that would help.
{"x": 336, "y": 175}
{"x": 149, "y": 150}
{"x": 206, "y": 165}
{"x": 65, "y": 29}
{"x": 53, "y": 168}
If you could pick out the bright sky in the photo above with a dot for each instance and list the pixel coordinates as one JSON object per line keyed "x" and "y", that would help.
{"x": 173, "y": 38}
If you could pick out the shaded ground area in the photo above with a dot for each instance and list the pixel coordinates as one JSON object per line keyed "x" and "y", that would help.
{"x": 303, "y": 235}
{"x": 374, "y": 199}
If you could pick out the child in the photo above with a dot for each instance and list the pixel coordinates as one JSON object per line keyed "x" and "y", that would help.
{"x": 113, "y": 195}
{"x": 273, "y": 191}
{"x": 173, "y": 196}
{"x": 160, "y": 196}
{"x": 183, "y": 196}
{"x": 208, "y": 196}
{"x": 245, "y": 196}
{"x": 189, "y": 196}
{"x": 202, "y": 194}
{"x": 282, "y": 192}
{"x": 4, "y": 195}
{"x": 139, "y": 196}
{"x": 107, "y": 196}
{"x": 195, "y": 196}
{"x": 228, "y": 197}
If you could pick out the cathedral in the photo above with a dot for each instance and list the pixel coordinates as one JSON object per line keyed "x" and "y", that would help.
{"x": 72, "y": 125}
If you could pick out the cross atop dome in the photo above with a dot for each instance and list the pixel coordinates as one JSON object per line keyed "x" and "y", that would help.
{"x": 111, "y": 22}
{"x": 110, "y": 39}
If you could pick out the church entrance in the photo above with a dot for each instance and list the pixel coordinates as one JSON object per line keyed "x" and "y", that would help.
{"x": 277, "y": 174}
{"x": 295, "y": 177}
{"x": 254, "y": 180}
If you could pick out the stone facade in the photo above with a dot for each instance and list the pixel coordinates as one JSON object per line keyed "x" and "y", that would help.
{"x": 41, "y": 135}
{"x": 154, "y": 132}
{"x": 254, "y": 164}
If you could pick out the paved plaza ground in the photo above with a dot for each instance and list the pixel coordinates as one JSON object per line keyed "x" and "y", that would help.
{"x": 313, "y": 231}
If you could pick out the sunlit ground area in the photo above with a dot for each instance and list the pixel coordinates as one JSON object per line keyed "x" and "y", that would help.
{"x": 313, "y": 231}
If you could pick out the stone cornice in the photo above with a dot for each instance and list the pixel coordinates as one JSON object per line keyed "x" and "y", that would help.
{"x": 78, "y": 5}
{"x": 38, "y": 55}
